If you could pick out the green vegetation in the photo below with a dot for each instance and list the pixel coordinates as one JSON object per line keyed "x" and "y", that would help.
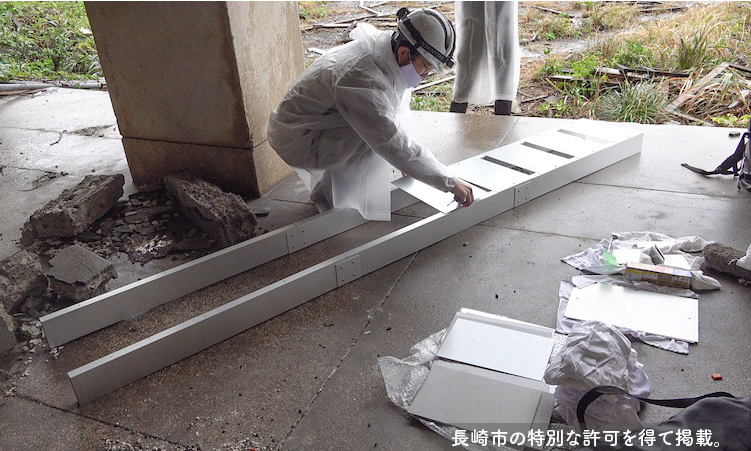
{"x": 312, "y": 11}
{"x": 642, "y": 103}
{"x": 437, "y": 99}
{"x": 694, "y": 41}
{"x": 46, "y": 40}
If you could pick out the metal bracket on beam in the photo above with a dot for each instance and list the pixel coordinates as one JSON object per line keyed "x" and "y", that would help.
{"x": 348, "y": 270}
{"x": 521, "y": 194}
{"x": 297, "y": 239}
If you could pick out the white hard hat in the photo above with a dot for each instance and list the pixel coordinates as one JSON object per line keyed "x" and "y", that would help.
{"x": 431, "y": 33}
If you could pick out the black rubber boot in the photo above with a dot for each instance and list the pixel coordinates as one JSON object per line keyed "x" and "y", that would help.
{"x": 503, "y": 108}
{"x": 458, "y": 107}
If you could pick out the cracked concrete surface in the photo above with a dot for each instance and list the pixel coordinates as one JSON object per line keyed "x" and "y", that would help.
{"x": 308, "y": 378}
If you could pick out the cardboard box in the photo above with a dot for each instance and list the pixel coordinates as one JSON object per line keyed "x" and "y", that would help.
{"x": 671, "y": 277}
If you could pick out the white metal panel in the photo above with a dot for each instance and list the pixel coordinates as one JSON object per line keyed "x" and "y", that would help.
{"x": 597, "y": 130}
{"x": 565, "y": 143}
{"x": 497, "y": 348}
{"x": 488, "y": 175}
{"x": 527, "y": 157}
{"x": 661, "y": 314}
{"x": 478, "y": 399}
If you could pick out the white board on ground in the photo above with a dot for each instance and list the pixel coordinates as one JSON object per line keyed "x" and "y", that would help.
{"x": 497, "y": 348}
{"x": 661, "y": 314}
{"x": 474, "y": 398}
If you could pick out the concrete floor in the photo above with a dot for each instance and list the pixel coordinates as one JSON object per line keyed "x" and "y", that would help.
{"x": 308, "y": 378}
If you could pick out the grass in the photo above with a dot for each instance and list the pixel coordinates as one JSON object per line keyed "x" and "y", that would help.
{"x": 437, "y": 99}
{"x": 312, "y": 11}
{"x": 694, "y": 41}
{"x": 46, "y": 40}
{"x": 642, "y": 103}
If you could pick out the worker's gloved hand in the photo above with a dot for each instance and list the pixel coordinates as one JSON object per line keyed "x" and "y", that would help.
{"x": 463, "y": 193}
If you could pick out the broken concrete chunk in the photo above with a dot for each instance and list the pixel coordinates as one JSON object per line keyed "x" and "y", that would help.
{"x": 79, "y": 274}
{"x": 723, "y": 258}
{"x": 7, "y": 332}
{"x": 78, "y": 207}
{"x": 21, "y": 276}
{"x": 224, "y": 216}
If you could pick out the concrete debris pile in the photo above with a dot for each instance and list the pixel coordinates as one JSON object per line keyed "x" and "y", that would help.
{"x": 23, "y": 291}
{"x": 21, "y": 277}
{"x": 146, "y": 226}
{"x": 69, "y": 240}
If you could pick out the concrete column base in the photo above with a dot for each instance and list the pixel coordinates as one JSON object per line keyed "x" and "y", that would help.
{"x": 231, "y": 168}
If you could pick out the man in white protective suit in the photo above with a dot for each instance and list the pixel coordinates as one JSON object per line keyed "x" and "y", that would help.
{"x": 487, "y": 55}
{"x": 339, "y": 126}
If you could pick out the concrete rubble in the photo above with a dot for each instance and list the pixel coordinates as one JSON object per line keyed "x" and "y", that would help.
{"x": 76, "y": 208}
{"x": 21, "y": 277}
{"x": 224, "y": 216}
{"x": 723, "y": 258}
{"x": 7, "y": 332}
{"x": 79, "y": 274}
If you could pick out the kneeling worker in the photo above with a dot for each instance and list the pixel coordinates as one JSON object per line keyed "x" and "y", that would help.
{"x": 339, "y": 126}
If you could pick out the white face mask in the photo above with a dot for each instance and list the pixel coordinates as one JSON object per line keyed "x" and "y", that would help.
{"x": 411, "y": 77}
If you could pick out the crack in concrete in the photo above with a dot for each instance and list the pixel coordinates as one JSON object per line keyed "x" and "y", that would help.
{"x": 59, "y": 138}
{"x": 362, "y": 331}
{"x": 97, "y": 420}
{"x": 660, "y": 190}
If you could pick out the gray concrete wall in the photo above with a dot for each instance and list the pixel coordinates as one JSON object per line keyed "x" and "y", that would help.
{"x": 269, "y": 52}
{"x": 199, "y": 77}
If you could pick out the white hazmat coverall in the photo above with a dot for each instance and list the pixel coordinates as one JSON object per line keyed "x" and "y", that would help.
{"x": 338, "y": 127}
{"x": 487, "y": 52}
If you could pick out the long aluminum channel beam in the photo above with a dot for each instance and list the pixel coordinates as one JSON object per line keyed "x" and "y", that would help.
{"x": 139, "y": 297}
{"x": 147, "y": 356}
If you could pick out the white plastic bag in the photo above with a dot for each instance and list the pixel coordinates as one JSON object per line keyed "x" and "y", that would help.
{"x": 598, "y": 354}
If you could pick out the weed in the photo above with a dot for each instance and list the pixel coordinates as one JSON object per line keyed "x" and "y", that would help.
{"x": 551, "y": 66}
{"x": 642, "y": 103}
{"x": 586, "y": 67}
{"x": 632, "y": 54}
{"x": 439, "y": 99}
{"x": 311, "y": 11}
{"x": 731, "y": 120}
{"x": 694, "y": 52}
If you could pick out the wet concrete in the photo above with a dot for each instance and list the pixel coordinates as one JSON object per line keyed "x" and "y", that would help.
{"x": 308, "y": 377}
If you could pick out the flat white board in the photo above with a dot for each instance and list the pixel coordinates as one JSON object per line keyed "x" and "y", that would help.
{"x": 676, "y": 261}
{"x": 474, "y": 398}
{"x": 661, "y": 314}
{"x": 497, "y": 348}
{"x": 623, "y": 256}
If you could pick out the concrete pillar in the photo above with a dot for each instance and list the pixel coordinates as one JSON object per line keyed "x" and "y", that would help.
{"x": 193, "y": 84}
